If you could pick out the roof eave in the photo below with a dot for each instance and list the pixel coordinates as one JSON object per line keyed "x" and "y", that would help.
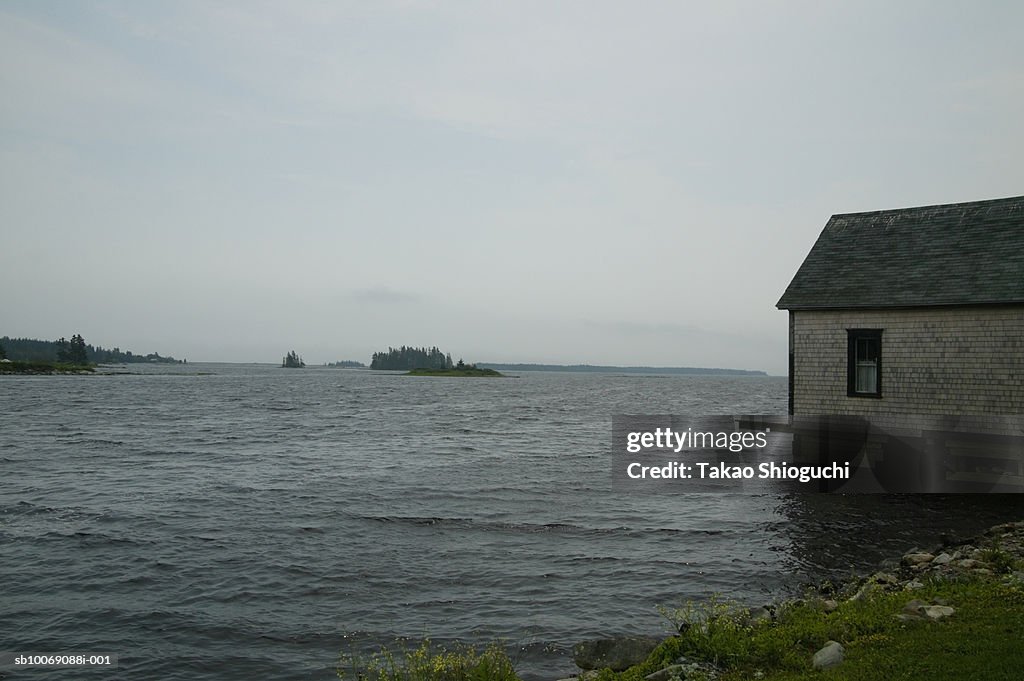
{"x": 899, "y": 306}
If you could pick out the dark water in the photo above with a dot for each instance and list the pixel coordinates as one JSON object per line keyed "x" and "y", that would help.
{"x": 256, "y": 522}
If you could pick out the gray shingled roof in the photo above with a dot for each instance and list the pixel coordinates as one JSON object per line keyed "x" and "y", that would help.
{"x": 956, "y": 254}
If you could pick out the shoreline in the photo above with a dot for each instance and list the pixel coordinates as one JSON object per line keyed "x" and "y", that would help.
{"x": 908, "y": 600}
{"x": 41, "y": 368}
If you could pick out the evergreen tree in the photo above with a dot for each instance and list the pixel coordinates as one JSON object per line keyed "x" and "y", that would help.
{"x": 3, "y": 353}
{"x": 292, "y": 361}
{"x": 63, "y": 351}
{"x": 407, "y": 358}
{"x": 76, "y": 350}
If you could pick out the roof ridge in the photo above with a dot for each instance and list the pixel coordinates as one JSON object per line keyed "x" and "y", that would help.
{"x": 962, "y": 204}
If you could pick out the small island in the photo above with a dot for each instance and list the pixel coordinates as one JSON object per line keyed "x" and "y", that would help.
{"x": 427, "y": 362}
{"x": 410, "y": 358}
{"x": 292, "y": 361}
{"x": 346, "y": 364}
{"x": 465, "y": 370}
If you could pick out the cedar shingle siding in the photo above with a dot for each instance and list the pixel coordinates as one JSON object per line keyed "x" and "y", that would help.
{"x": 944, "y": 284}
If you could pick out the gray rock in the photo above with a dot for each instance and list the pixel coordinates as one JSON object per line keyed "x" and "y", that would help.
{"x": 829, "y": 656}
{"x": 683, "y": 668}
{"x": 913, "y": 585}
{"x": 865, "y": 591}
{"x": 618, "y": 654}
{"x": 671, "y": 673}
{"x": 914, "y": 610}
{"x": 942, "y": 559}
{"x": 828, "y": 605}
{"x": 968, "y": 563}
{"x": 919, "y": 610}
{"x": 883, "y": 578}
{"x": 937, "y": 612}
{"x": 914, "y": 606}
{"x": 918, "y": 558}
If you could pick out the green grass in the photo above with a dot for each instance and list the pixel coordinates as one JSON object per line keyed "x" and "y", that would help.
{"x": 427, "y": 663}
{"x": 982, "y": 640}
{"x": 454, "y": 372}
{"x": 40, "y": 367}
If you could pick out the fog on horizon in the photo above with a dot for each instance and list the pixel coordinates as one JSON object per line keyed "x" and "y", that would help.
{"x": 574, "y": 183}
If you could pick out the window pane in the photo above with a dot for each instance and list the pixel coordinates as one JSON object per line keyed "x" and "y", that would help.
{"x": 867, "y": 375}
{"x": 867, "y": 349}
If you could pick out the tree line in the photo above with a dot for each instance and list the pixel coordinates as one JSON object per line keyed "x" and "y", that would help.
{"x": 406, "y": 358}
{"x": 71, "y": 352}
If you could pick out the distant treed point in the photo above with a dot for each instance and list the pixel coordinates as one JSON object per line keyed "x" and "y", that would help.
{"x": 32, "y": 350}
{"x": 406, "y": 359}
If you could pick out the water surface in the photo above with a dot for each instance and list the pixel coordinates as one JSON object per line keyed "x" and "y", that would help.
{"x": 256, "y": 521}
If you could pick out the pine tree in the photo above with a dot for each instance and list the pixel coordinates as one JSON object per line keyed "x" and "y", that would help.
{"x": 292, "y": 361}
{"x": 63, "y": 351}
{"x": 76, "y": 350}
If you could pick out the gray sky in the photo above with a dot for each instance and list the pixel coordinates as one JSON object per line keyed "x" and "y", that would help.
{"x": 609, "y": 183}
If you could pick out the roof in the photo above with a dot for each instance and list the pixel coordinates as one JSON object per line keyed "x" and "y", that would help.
{"x": 954, "y": 254}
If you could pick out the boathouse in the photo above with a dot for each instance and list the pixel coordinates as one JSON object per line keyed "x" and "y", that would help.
{"x": 911, "y": 311}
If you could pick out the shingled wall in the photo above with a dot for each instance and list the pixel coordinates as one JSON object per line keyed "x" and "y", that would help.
{"x": 940, "y": 360}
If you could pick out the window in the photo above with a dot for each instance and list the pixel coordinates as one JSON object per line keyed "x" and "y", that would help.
{"x": 864, "y": 363}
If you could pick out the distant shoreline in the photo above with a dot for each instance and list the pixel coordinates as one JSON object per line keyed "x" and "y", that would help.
{"x": 472, "y": 371}
{"x": 594, "y": 368}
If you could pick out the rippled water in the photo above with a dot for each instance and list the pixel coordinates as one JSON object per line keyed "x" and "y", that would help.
{"x": 254, "y": 522}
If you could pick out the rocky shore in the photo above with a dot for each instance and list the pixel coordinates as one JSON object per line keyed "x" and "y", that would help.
{"x": 905, "y": 586}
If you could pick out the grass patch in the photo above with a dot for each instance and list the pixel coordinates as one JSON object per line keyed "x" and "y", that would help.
{"x": 427, "y": 663}
{"x": 999, "y": 560}
{"x": 982, "y": 640}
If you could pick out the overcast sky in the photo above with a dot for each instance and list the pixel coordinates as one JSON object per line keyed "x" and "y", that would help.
{"x": 579, "y": 182}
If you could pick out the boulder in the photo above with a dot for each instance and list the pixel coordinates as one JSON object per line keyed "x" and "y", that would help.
{"x": 918, "y": 558}
{"x": 618, "y": 654}
{"x": 913, "y": 610}
{"x": 937, "y": 612}
{"x": 829, "y": 656}
{"x": 919, "y": 610}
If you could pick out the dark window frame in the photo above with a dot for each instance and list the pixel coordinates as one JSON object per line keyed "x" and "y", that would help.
{"x": 852, "y": 336}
